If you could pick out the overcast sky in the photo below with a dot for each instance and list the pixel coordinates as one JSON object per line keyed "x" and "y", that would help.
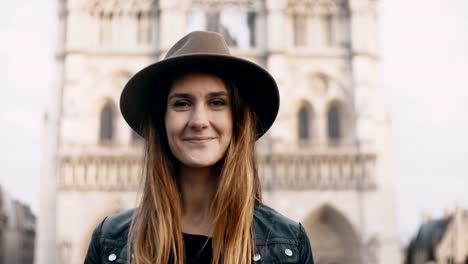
{"x": 424, "y": 71}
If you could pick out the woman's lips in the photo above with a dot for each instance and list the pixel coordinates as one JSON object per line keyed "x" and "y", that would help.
{"x": 199, "y": 139}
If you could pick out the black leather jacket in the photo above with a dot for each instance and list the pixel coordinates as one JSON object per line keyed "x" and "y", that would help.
{"x": 277, "y": 239}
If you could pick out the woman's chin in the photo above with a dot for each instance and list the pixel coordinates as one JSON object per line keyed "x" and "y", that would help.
{"x": 205, "y": 163}
{"x": 199, "y": 159}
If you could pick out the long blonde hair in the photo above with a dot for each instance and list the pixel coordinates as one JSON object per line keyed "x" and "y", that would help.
{"x": 155, "y": 234}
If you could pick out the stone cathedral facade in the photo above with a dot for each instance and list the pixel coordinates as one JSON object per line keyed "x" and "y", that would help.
{"x": 326, "y": 162}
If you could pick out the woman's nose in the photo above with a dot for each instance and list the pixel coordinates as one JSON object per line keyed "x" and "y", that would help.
{"x": 199, "y": 118}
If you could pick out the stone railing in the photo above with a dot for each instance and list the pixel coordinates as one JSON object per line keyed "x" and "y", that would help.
{"x": 100, "y": 173}
{"x": 276, "y": 171}
{"x": 317, "y": 171}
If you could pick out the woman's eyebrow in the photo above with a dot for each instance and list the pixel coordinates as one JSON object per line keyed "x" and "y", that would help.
{"x": 189, "y": 96}
{"x": 221, "y": 93}
{"x": 180, "y": 95}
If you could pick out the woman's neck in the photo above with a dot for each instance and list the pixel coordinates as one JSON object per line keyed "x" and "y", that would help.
{"x": 198, "y": 187}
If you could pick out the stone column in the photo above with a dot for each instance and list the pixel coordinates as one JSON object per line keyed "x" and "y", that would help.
{"x": 321, "y": 129}
{"x": 173, "y": 23}
{"x": 45, "y": 245}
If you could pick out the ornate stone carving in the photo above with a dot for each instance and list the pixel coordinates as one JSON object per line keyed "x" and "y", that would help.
{"x": 318, "y": 171}
{"x": 319, "y": 85}
{"x": 315, "y": 6}
{"x": 282, "y": 171}
{"x": 126, "y": 6}
{"x": 103, "y": 173}
{"x": 221, "y": 3}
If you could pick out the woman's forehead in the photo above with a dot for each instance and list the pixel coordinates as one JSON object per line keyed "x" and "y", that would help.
{"x": 198, "y": 83}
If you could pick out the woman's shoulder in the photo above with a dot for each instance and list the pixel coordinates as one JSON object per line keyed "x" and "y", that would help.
{"x": 116, "y": 226}
{"x": 279, "y": 239}
{"x": 269, "y": 224}
{"x": 109, "y": 240}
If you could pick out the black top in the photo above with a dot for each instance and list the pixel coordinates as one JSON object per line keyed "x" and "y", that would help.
{"x": 198, "y": 249}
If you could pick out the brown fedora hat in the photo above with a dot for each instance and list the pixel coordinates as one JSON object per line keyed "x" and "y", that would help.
{"x": 201, "y": 51}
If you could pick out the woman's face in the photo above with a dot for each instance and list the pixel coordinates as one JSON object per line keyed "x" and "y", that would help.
{"x": 198, "y": 119}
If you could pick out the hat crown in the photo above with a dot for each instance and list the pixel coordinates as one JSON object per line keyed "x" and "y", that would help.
{"x": 200, "y": 51}
{"x": 199, "y": 42}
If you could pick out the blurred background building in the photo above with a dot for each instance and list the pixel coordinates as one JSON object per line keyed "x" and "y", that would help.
{"x": 17, "y": 231}
{"x": 327, "y": 161}
{"x": 441, "y": 241}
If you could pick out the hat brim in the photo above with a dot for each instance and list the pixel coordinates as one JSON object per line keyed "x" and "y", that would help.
{"x": 256, "y": 86}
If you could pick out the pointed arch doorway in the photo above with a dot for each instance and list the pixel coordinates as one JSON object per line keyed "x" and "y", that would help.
{"x": 333, "y": 238}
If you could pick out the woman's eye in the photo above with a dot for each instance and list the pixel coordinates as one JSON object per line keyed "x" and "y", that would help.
{"x": 218, "y": 102}
{"x": 181, "y": 104}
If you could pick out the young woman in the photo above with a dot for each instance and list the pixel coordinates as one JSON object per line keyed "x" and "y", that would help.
{"x": 200, "y": 111}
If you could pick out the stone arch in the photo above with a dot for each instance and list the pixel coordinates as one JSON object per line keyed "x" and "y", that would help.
{"x": 324, "y": 84}
{"x": 333, "y": 238}
{"x": 109, "y": 85}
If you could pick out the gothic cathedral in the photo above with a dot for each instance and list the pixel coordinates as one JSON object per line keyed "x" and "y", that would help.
{"x": 327, "y": 161}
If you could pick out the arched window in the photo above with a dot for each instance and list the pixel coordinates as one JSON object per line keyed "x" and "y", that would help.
{"x": 107, "y": 30}
{"x": 333, "y": 118}
{"x": 329, "y": 29}
{"x": 303, "y": 123}
{"x": 121, "y": 25}
{"x": 140, "y": 31}
{"x": 299, "y": 29}
{"x": 238, "y": 24}
{"x": 251, "y": 20}
{"x": 107, "y": 123}
{"x": 325, "y": 23}
{"x": 212, "y": 21}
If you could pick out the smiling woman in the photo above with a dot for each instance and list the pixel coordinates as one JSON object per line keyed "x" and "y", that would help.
{"x": 200, "y": 111}
{"x": 198, "y": 120}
